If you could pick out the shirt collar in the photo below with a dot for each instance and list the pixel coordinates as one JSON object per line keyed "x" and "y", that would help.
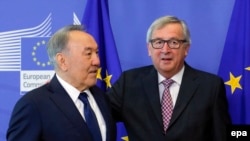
{"x": 177, "y": 77}
{"x": 72, "y": 91}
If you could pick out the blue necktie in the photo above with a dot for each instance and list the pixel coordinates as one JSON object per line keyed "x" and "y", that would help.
{"x": 90, "y": 118}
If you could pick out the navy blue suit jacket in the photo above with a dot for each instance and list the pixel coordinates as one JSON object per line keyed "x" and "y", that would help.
{"x": 48, "y": 114}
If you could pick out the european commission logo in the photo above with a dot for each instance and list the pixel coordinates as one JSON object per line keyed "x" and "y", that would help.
{"x": 34, "y": 55}
{"x": 24, "y": 50}
{"x": 36, "y": 68}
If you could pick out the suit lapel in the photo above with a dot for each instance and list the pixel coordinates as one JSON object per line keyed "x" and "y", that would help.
{"x": 66, "y": 105}
{"x": 186, "y": 92}
{"x": 100, "y": 100}
{"x": 150, "y": 86}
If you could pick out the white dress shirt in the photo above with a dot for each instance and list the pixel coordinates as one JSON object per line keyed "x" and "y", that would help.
{"x": 174, "y": 88}
{"x": 74, "y": 94}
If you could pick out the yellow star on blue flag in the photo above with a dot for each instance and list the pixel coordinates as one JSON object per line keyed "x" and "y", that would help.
{"x": 234, "y": 82}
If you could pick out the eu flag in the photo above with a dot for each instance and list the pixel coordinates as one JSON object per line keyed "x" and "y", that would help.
{"x": 97, "y": 23}
{"x": 235, "y": 63}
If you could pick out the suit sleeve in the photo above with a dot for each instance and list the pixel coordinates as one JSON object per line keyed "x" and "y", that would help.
{"x": 25, "y": 124}
{"x": 115, "y": 95}
{"x": 221, "y": 117}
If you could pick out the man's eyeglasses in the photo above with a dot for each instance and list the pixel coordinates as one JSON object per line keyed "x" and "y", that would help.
{"x": 172, "y": 43}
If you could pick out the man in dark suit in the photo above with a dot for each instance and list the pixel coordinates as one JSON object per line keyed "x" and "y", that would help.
{"x": 53, "y": 112}
{"x": 170, "y": 100}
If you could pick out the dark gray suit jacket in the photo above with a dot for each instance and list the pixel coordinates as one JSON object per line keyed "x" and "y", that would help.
{"x": 49, "y": 114}
{"x": 200, "y": 113}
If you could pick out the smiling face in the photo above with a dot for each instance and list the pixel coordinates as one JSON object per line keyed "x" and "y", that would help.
{"x": 168, "y": 61}
{"x": 80, "y": 61}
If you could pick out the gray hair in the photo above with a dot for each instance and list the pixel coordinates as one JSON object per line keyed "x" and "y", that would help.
{"x": 162, "y": 21}
{"x": 59, "y": 41}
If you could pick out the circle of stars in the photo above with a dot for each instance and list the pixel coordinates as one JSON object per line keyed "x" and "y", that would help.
{"x": 35, "y": 59}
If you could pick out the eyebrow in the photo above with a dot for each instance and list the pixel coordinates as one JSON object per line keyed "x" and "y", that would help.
{"x": 173, "y": 38}
{"x": 90, "y": 49}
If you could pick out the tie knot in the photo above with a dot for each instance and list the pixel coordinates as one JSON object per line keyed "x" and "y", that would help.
{"x": 167, "y": 82}
{"x": 83, "y": 97}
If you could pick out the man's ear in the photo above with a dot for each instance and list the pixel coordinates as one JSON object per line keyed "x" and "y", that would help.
{"x": 148, "y": 47}
{"x": 61, "y": 61}
{"x": 187, "y": 47}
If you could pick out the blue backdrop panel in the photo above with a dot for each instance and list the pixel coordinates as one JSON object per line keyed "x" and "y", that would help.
{"x": 27, "y": 20}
